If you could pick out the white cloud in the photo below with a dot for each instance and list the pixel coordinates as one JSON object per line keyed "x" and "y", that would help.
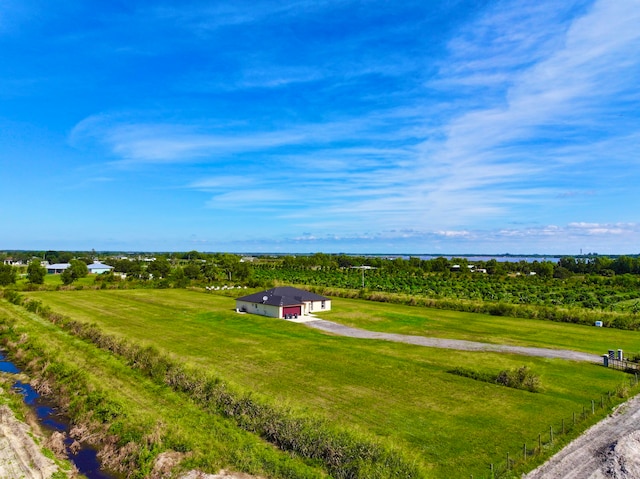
{"x": 558, "y": 79}
{"x": 445, "y": 167}
{"x": 605, "y": 229}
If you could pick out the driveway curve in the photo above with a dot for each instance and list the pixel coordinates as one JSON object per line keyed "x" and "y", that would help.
{"x": 459, "y": 344}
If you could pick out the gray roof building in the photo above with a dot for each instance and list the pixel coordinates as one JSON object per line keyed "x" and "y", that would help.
{"x": 283, "y": 301}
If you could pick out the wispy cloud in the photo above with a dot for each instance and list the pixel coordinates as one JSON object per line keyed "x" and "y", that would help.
{"x": 154, "y": 142}
{"x": 551, "y": 239}
{"x": 217, "y": 15}
{"x": 540, "y": 90}
{"x": 568, "y": 79}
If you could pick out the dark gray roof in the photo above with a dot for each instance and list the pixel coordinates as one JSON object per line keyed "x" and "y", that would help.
{"x": 282, "y": 296}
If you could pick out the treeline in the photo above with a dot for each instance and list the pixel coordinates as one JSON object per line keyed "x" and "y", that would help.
{"x": 621, "y": 293}
{"x": 595, "y": 283}
{"x": 560, "y": 314}
{"x": 565, "y": 266}
{"x": 185, "y": 268}
{"x": 162, "y": 271}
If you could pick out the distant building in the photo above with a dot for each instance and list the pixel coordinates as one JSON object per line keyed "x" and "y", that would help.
{"x": 13, "y": 262}
{"x": 283, "y": 301}
{"x": 57, "y": 268}
{"x": 98, "y": 268}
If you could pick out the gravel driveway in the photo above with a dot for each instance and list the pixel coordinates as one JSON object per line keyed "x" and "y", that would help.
{"x": 608, "y": 450}
{"x": 459, "y": 344}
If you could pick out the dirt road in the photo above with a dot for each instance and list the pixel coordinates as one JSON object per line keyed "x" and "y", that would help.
{"x": 610, "y": 449}
{"x": 342, "y": 330}
{"x": 20, "y": 457}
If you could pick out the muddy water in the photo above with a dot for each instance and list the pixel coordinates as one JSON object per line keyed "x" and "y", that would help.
{"x": 85, "y": 459}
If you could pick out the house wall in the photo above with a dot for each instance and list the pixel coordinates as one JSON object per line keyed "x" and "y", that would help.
{"x": 261, "y": 309}
{"x": 100, "y": 271}
{"x": 316, "y": 306}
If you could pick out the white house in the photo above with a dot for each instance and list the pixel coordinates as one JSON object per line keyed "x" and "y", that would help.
{"x": 283, "y": 301}
{"x": 98, "y": 268}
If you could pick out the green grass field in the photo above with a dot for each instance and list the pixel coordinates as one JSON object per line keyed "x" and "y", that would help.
{"x": 440, "y": 323}
{"x": 151, "y": 410}
{"x": 400, "y": 393}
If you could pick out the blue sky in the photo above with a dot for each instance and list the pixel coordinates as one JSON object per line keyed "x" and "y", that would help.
{"x": 326, "y": 125}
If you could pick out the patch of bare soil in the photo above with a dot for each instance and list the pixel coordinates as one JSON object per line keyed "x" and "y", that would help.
{"x": 221, "y": 475}
{"x": 20, "y": 456}
{"x": 607, "y": 450}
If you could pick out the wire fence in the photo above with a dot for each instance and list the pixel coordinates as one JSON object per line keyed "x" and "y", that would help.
{"x": 514, "y": 462}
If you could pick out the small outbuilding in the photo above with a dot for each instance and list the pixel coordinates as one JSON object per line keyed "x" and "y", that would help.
{"x": 282, "y": 302}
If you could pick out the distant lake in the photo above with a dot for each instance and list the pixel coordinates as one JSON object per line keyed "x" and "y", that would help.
{"x": 503, "y": 259}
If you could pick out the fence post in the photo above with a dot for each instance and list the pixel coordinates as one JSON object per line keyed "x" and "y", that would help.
{"x": 601, "y": 402}
{"x": 524, "y": 451}
{"x": 491, "y": 467}
{"x": 562, "y": 425}
{"x": 574, "y": 418}
{"x": 539, "y": 442}
{"x": 593, "y": 407}
{"x": 551, "y": 433}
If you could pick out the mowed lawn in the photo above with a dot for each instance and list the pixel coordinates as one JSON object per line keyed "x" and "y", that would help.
{"x": 393, "y": 318}
{"x": 403, "y": 394}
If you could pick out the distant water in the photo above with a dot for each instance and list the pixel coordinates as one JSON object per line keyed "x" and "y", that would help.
{"x": 502, "y": 259}
{"x": 85, "y": 459}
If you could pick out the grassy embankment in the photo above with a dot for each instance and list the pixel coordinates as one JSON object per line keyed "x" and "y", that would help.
{"x": 132, "y": 417}
{"x": 401, "y": 394}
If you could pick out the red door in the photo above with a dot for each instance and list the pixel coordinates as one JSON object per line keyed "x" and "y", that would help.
{"x": 291, "y": 310}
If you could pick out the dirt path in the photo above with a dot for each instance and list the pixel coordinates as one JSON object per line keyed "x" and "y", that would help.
{"x": 459, "y": 344}
{"x": 610, "y": 449}
{"x": 20, "y": 457}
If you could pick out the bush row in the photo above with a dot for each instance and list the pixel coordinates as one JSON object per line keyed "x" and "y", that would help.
{"x": 345, "y": 454}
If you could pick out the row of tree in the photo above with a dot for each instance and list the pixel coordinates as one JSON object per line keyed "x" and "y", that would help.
{"x": 196, "y": 266}
{"x": 35, "y": 273}
{"x": 180, "y": 269}
{"x": 214, "y": 268}
{"x": 562, "y": 268}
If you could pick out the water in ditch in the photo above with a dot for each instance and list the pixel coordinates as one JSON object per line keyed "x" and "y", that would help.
{"x": 85, "y": 459}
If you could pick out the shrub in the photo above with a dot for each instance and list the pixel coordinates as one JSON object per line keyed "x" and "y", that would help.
{"x": 518, "y": 378}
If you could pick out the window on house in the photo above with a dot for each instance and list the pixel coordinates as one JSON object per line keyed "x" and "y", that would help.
{"x": 322, "y": 305}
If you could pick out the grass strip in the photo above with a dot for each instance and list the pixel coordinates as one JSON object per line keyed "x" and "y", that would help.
{"x": 345, "y": 454}
{"x": 399, "y": 393}
{"x": 132, "y": 418}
